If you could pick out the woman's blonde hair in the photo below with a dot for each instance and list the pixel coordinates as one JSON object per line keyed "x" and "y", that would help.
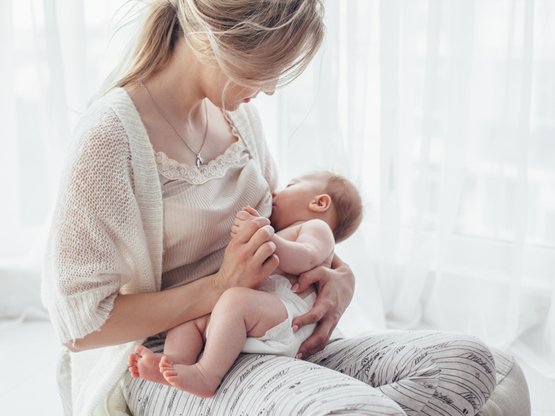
{"x": 256, "y": 43}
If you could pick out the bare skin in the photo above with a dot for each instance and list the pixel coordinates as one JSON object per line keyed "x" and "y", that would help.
{"x": 306, "y": 242}
{"x": 248, "y": 261}
{"x": 180, "y": 90}
{"x": 239, "y": 313}
{"x": 182, "y": 347}
{"x": 335, "y": 286}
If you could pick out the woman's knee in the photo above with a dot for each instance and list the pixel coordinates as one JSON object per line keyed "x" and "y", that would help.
{"x": 466, "y": 363}
{"x": 465, "y": 350}
{"x": 431, "y": 363}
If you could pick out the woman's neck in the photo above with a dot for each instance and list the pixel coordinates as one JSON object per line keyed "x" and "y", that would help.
{"x": 178, "y": 88}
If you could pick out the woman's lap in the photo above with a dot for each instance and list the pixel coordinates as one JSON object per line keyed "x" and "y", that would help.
{"x": 432, "y": 373}
{"x": 266, "y": 385}
{"x": 405, "y": 366}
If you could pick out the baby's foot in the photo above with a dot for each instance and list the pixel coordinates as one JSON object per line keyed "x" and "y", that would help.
{"x": 189, "y": 378}
{"x": 145, "y": 364}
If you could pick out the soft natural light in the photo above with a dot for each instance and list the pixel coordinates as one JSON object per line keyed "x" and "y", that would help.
{"x": 442, "y": 112}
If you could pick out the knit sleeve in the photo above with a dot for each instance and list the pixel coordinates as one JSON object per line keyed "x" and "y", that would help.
{"x": 95, "y": 232}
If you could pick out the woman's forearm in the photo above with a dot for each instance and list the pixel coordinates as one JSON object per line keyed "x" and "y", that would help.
{"x": 138, "y": 316}
{"x": 248, "y": 261}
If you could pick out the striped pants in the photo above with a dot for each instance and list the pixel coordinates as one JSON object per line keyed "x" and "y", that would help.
{"x": 395, "y": 373}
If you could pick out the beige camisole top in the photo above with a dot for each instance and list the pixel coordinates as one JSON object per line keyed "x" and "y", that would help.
{"x": 200, "y": 205}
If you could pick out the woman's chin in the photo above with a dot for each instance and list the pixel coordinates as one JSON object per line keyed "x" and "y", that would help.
{"x": 233, "y": 106}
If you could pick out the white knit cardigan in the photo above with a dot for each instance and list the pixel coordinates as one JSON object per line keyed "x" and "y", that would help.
{"x": 106, "y": 238}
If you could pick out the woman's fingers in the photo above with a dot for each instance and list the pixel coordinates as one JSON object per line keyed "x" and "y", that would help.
{"x": 248, "y": 231}
{"x": 249, "y": 258}
{"x": 261, "y": 236}
{"x": 319, "y": 338}
{"x": 308, "y": 278}
{"x": 244, "y": 217}
{"x": 327, "y": 296}
{"x": 269, "y": 265}
{"x": 335, "y": 291}
{"x": 318, "y": 311}
{"x": 234, "y": 230}
{"x": 264, "y": 251}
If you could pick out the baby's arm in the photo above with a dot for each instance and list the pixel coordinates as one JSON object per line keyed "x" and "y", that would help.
{"x": 313, "y": 246}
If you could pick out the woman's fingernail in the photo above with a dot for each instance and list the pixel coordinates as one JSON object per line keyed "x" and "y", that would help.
{"x": 295, "y": 287}
{"x": 295, "y": 328}
{"x": 299, "y": 356}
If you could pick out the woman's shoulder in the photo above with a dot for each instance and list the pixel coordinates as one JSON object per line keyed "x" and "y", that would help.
{"x": 102, "y": 134}
{"x": 115, "y": 107}
{"x": 110, "y": 119}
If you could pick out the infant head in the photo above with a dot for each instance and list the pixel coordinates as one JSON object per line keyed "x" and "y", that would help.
{"x": 319, "y": 195}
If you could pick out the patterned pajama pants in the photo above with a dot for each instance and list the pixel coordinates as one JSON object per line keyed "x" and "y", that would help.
{"x": 395, "y": 373}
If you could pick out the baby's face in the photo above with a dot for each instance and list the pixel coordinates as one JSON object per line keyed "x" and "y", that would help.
{"x": 291, "y": 203}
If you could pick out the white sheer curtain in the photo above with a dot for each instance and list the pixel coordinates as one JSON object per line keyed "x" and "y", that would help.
{"x": 54, "y": 56}
{"x": 445, "y": 113}
{"x": 442, "y": 110}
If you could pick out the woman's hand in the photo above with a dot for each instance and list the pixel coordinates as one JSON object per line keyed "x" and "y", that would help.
{"x": 249, "y": 258}
{"x": 336, "y": 287}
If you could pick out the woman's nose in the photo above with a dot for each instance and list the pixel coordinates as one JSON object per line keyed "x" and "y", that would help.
{"x": 270, "y": 89}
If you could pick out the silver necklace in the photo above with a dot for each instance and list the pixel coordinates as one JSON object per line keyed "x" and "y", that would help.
{"x": 200, "y": 160}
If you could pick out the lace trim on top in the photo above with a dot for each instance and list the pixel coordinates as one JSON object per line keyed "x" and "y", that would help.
{"x": 214, "y": 169}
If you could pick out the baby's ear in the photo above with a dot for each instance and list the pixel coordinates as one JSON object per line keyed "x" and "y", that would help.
{"x": 321, "y": 203}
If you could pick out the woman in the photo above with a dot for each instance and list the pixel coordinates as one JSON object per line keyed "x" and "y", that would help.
{"x": 159, "y": 167}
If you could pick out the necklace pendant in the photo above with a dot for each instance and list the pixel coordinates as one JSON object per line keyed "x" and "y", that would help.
{"x": 200, "y": 160}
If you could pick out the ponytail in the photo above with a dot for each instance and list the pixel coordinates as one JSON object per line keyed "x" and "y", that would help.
{"x": 255, "y": 43}
{"x": 152, "y": 47}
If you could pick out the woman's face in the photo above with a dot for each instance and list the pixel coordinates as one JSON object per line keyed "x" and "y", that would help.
{"x": 226, "y": 94}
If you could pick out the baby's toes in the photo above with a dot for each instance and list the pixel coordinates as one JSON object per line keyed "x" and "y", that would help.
{"x": 166, "y": 366}
{"x": 141, "y": 350}
{"x": 134, "y": 372}
{"x": 133, "y": 358}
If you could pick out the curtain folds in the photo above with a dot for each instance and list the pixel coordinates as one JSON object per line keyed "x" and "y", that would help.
{"x": 443, "y": 111}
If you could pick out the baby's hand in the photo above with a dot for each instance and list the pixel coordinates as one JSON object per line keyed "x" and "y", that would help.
{"x": 242, "y": 218}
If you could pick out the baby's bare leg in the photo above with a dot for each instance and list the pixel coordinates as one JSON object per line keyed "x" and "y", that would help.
{"x": 185, "y": 342}
{"x": 183, "y": 345}
{"x": 239, "y": 313}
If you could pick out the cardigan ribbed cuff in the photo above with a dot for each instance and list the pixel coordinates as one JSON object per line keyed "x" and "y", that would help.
{"x": 79, "y": 315}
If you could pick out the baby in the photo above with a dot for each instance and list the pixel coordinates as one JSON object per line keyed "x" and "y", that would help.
{"x": 314, "y": 211}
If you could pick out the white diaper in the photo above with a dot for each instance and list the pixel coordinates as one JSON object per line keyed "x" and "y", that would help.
{"x": 280, "y": 340}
